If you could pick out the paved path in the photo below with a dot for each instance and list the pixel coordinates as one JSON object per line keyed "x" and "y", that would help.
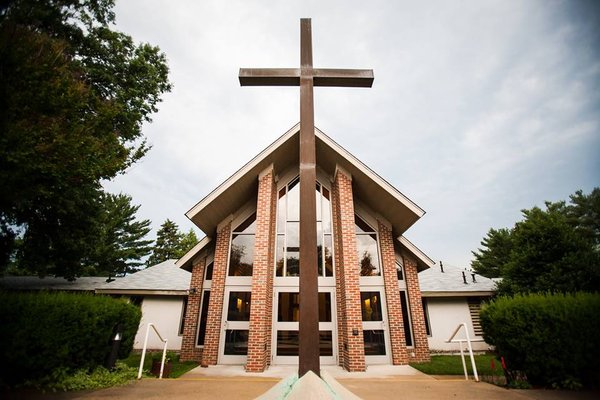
{"x": 388, "y": 382}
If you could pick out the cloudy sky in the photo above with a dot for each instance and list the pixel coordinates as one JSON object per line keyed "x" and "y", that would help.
{"x": 478, "y": 110}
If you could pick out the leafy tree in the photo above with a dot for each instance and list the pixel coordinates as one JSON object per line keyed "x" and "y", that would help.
{"x": 171, "y": 243}
{"x": 74, "y": 95}
{"x": 494, "y": 253}
{"x": 121, "y": 243}
{"x": 554, "y": 250}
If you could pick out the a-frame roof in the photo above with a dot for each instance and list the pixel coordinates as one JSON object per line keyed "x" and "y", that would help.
{"x": 370, "y": 188}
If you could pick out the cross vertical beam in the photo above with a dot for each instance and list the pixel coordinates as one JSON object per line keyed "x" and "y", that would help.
{"x": 309, "y": 296}
{"x": 307, "y": 77}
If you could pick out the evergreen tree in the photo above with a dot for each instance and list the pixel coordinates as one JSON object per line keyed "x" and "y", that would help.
{"x": 188, "y": 241}
{"x": 168, "y": 239}
{"x": 121, "y": 243}
{"x": 494, "y": 253}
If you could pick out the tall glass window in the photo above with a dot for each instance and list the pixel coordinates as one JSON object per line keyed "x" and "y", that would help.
{"x": 366, "y": 247}
{"x": 288, "y": 230}
{"x": 241, "y": 257}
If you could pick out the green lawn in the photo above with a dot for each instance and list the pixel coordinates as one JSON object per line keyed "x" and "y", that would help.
{"x": 452, "y": 365}
{"x": 179, "y": 367}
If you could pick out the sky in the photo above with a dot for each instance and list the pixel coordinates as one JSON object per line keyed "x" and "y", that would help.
{"x": 479, "y": 109}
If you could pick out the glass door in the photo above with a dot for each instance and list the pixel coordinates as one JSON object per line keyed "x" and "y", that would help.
{"x": 375, "y": 328}
{"x": 285, "y": 326}
{"x": 235, "y": 326}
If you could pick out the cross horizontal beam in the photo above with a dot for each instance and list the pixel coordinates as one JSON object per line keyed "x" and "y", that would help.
{"x": 291, "y": 77}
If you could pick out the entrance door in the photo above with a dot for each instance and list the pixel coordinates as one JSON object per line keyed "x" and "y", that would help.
{"x": 375, "y": 328}
{"x": 236, "y": 325}
{"x": 285, "y": 326}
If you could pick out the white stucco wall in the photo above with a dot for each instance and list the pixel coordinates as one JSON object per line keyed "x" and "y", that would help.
{"x": 165, "y": 313}
{"x": 445, "y": 314}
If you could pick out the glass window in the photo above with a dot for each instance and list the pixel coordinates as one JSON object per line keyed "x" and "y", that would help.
{"x": 183, "y": 311}
{"x": 209, "y": 272}
{"x": 288, "y": 230}
{"x": 236, "y": 342}
{"x": 203, "y": 316}
{"x": 426, "y": 315}
{"x": 288, "y": 343}
{"x": 406, "y": 318}
{"x": 374, "y": 342}
{"x": 241, "y": 257}
{"x": 370, "y": 303}
{"x": 399, "y": 270}
{"x": 239, "y": 306}
{"x": 366, "y": 247}
{"x": 288, "y": 309}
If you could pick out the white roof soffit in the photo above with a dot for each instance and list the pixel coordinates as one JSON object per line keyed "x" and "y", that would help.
{"x": 369, "y": 187}
{"x": 185, "y": 262}
{"x": 422, "y": 258}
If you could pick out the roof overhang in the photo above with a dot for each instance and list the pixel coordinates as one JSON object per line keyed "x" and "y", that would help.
{"x": 185, "y": 262}
{"x": 367, "y": 186}
{"x": 423, "y": 261}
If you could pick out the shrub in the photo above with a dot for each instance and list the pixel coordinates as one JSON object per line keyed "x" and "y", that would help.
{"x": 46, "y": 332}
{"x": 552, "y": 338}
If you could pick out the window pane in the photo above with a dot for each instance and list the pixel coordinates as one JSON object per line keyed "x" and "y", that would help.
{"x": 325, "y": 307}
{"x": 361, "y": 226}
{"x": 236, "y": 342}
{"x": 183, "y": 311}
{"x": 370, "y": 303}
{"x": 368, "y": 257}
{"x": 374, "y": 342}
{"x": 292, "y": 263}
{"x": 319, "y": 250}
{"x": 279, "y": 254}
{"x": 327, "y": 246}
{"x": 203, "y": 315}
{"x": 399, "y": 271}
{"x": 241, "y": 258}
{"x": 293, "y": 249}
{"x": 239, "y": 306}
{"x": 248, "y": 226}
{"x": 326, "y": 206}
{"x": 406, "y": 319}
{"x": 288, "y": 308}
{"x": 288, "y": 343}
{"x": 318, "y": 201}
{"x": 209, "y": 272}
{"x": 426, "y": 315}
{"x": 325, "y": 344}
{"x": 281, "y": 211}
{"x": 293, "y": 201}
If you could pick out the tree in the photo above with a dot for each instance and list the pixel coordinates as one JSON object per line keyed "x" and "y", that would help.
{"x": 171, "y": 243}
{"x": 554, "y": 250}
{"x": 188, "y": 241}
{"x": 74, "y": 95}
{"x": 121, "y": 244}
{"x": 494, "y": 253}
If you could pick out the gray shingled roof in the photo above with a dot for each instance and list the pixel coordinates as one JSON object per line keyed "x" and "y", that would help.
{"x": 163, "y": 277}
{"x": 84, "y": 283}
{"x": 450, "y": 283}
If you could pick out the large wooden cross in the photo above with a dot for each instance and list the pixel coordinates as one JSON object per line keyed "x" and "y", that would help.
{"x": 307, "y": 77}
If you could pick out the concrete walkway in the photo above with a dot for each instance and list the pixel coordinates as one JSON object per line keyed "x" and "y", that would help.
{"x": 379, "y": 382}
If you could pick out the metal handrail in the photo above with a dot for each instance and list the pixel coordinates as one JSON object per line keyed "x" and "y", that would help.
{"x": 462, "y": 354}
{"x": 162, "y": 365}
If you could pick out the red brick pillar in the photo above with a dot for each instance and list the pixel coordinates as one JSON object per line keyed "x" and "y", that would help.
{"x": 189, "y": 351}
{"x": 215, "y": 306}
{"x": 392, "y": 295}
{"x": 348, "y": 293}
{"x": 261, "y": 308}
{"x": 411, "y": 277}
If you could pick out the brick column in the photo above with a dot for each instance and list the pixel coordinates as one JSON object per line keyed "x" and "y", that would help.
{"x": 392, "y": 295}
{"x": 215, "y": 306}
{"x": 421, "y": 349}
{"x": 189, "y": 351}
{"x": 348, "y": 274}
{"x": 260, "y": 310}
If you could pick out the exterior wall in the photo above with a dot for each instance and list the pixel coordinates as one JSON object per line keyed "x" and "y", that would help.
{"x": 189, "y": 351}
{"x": 420, "y": 352}
{"x": 262, "y": 276}
{"x": 165, "y": 313}
{"x": 352, "y": 354}
{"x": 445, "y": 314}
{"x": 215, "y": 307}
{"x": 392, "y": 295}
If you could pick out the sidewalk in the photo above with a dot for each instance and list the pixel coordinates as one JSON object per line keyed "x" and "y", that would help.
{"x": 379, "y": 382}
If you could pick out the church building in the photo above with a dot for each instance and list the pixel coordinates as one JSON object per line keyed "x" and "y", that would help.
{"x": 243, "y": 303}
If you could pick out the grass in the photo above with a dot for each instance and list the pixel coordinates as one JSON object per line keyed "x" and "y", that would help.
{"x": 178, "y": 367}
{"x": 452, "y": 365}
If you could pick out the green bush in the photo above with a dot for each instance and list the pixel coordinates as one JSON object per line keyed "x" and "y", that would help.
{"x": 46, "y": 332}
{"x": 552, "y": 338}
